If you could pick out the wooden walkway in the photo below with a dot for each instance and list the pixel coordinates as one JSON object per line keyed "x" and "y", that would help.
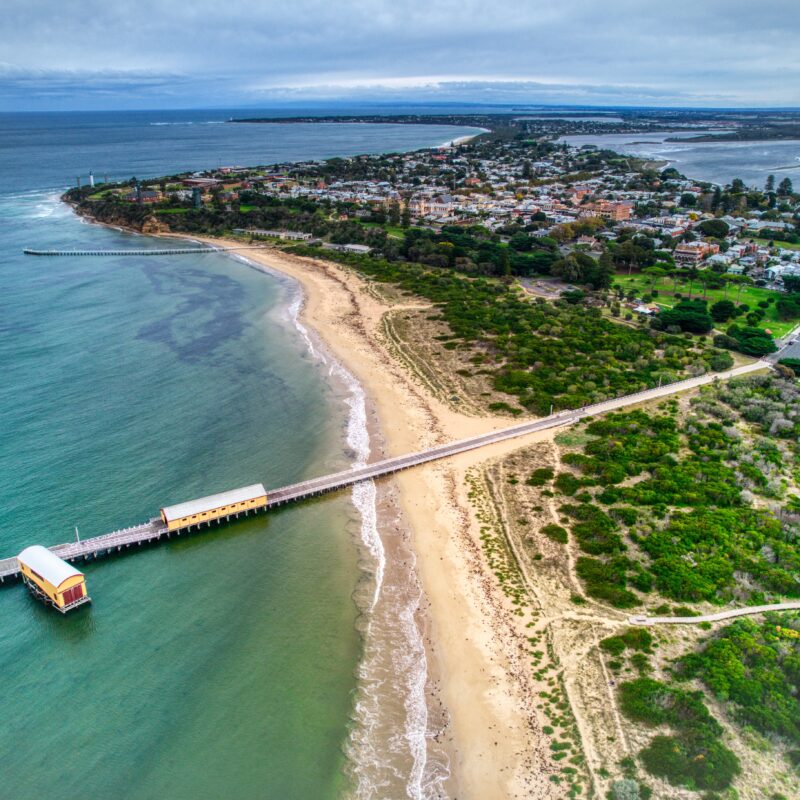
{"x": 718, "y": 617}
{"x": 175, "y": 251}
{"x": 154, "y": 530}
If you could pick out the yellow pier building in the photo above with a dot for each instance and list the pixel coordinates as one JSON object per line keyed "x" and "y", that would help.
{"x": 51, "y": 579}
{"x": 214, "y": 507}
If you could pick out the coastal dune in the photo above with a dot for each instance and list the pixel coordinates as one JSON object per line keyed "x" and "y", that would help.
{"x": 474, "y": 652}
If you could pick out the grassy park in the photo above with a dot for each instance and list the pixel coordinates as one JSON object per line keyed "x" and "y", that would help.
{"x": 775, "y": 243}
{"x": 668, "y": 287}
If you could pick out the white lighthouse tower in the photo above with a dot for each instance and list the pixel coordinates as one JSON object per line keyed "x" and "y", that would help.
{"x": 91, "y": 179}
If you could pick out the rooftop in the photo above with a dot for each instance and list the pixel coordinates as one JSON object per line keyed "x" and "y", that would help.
{"x": 47, "y": 564}
{"x": 213, "y": 501}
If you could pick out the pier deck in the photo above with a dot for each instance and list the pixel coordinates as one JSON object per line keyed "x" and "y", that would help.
{"x": 154, "y": 530}
{"x": 173, "y": 251}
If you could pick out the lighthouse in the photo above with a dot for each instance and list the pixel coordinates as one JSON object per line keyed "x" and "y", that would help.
{"x": 91, "y": 179}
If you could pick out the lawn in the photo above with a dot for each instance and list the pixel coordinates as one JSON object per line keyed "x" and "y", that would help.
{"x": 751, "y": 295}
{"x": 395, "y": 231}
{"x": 776, "y": 243}
{"x": 101, "y": 194}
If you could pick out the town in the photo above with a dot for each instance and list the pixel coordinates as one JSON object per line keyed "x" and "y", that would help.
{"x": 661, "y": 248}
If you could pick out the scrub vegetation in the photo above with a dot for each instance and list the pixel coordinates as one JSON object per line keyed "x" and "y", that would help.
{"x": 562, "y": 353}
{"x": 755, "y": 668}
{"x": 700, "y": 508}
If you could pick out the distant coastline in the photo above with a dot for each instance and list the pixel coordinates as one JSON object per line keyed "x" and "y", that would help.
{"x": 470, "y": 120}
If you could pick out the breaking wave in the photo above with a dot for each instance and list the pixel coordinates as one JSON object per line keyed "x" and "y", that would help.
{"x": 388, "y": 745}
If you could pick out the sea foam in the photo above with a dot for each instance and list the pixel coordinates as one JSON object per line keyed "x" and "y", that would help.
{"x": 388, "y": 746}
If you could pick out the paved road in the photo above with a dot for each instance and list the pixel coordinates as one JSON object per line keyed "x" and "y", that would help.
{"x": 720, "y": 615}
{"x": 785, "y": 347}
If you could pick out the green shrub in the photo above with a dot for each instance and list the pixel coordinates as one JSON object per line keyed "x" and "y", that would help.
{"x": 615, "y": 645}
{"x": 540, "y": 476}
{"x": 556, "y": 533}
{"x": 756, "y": 668}
{"x": 567, "y": 484}
{"x": 705, "y": 764}
{"x": 696, "y": 757}
{"x": 606, "y": 580}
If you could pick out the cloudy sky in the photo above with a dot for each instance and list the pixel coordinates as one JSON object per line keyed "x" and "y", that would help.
{"x": 89, "y": 54}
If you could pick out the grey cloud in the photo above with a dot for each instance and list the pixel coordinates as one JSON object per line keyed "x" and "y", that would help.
{"x": 686, "y": 51}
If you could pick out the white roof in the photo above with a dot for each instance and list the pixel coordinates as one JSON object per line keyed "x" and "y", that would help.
{"x": 213, "y": 501}
{"x": 47, "y": 564}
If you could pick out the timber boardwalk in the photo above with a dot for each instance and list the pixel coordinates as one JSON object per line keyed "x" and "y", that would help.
{"x": 156, "y": 529}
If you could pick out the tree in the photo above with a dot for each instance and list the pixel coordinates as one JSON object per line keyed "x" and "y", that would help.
{"x": 521, "y": 242}
{"x": 505, "y": 262}
{"x": 691, "y": 273}
{"x": 785, "y": 188}
{"x": 791, "y": 283}
{"x": 737, "y": 186}
{"x": 752, "y": 341}
{"x": 707, "y": 276}
{"x": 675, "y": 273}
{"x": 405, "y": 217}
{"x": 689, "y": 315}
{"x": 630, "y": 255}
{"x": 769, "y": 186}
{"x": 723, "y": 310}
{"x": 603, "y": 273}
{"x": 688, "y": 200}
{"x": 656, "y": 273}
{"x": 714, "y": 227}
{"x": 788, "y": 307}
{"x": 741, "y": 281}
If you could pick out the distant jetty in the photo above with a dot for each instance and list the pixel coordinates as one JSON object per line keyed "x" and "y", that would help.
{"x": 182, "y": 251}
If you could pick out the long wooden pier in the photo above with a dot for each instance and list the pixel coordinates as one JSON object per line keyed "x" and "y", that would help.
{"x": 155, "y": 530}
{"x": 174, "y": 251}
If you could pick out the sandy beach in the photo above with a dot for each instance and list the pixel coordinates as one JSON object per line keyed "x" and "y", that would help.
{"x": 475, "y": 649}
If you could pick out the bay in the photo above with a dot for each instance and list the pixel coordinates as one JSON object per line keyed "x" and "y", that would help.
{"x": 716, "y": 162}
{"x": 221, "y": 664}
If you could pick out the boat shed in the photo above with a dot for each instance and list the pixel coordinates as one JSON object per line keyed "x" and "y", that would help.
{"x": 215, "y": 507}
{"x": 52, "y": 579}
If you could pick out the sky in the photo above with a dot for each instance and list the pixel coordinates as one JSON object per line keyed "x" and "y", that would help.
{"x": 118, "y": 54}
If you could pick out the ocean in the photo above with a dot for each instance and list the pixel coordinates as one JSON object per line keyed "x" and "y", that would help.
{"x": 717, "y": 162}
{"x": 232, "y": 662}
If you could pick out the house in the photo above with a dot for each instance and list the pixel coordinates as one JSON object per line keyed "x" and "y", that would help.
{"x": 296, "y": 236}
{"x": 214, "y": 507}
{"x": 430, "y": 206}
{"x": 51, "y": 579}
{"x": 201, "y": 183}
{"x": 608, "y": 209}
{"x": 692, "y": 253}
{"x": 360, "y": 249}
{"x": 143, "y": 196}
{"x": 777, "y": 271}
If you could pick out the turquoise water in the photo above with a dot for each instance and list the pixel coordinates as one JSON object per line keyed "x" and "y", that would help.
{"x": 225, "y": 659}
{"x": 217, "y": 665}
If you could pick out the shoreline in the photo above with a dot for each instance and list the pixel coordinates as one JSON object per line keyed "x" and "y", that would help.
{"x": 479, "y": 687}
{"x": 473, "y": 650}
